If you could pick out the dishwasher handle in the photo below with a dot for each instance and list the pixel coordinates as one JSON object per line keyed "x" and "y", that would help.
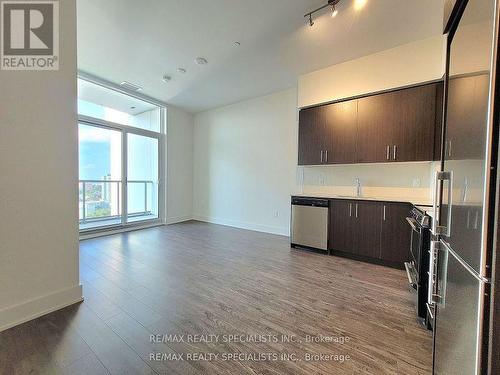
{"x": 312, "y": 202}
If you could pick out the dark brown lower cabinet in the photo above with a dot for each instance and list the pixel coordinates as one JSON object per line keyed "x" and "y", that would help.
{"x": 371, "y": 231}
{"x": 368, "y": 225}
{"x": 342, "y": 225}
{"x": 396, "y": 233}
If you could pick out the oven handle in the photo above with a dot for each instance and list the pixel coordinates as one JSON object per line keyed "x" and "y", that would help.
{"x": 430, "y": 310}
{"x": 413, "y": 224}
{"x": 409, "y": 268}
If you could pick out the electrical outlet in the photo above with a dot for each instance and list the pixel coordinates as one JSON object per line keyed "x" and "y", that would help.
{"x": 322, "y": 179}
{"x": 416, "y": 182}
{"x": 276, "y": 213}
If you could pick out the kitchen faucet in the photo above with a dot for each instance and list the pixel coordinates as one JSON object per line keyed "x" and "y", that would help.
{"x": 358, "y": 187}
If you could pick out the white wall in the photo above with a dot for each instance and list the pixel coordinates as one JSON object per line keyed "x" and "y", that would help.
{"x": 400, "y": 66}
{"x": 38, "y": 188}
{"x": 179, "y": 165}
{"x": 244, "y": 163}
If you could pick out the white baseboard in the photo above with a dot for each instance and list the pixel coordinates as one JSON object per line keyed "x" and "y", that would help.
{"x": 178, "y": 219}
{"x": 26, "y": 311}
{"x": 88, "y": 236}
{"x": 281, "y": 231}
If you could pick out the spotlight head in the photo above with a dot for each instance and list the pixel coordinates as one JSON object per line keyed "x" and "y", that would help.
{"x": 334, "y": 11}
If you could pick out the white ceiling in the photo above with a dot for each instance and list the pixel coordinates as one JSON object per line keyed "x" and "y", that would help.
{"x": 140, "y": 41}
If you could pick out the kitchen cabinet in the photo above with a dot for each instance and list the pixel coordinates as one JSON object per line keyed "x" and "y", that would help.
{"x": 398, "y": 126}
{"x": 376, "y": 122}
{"x": 395, "y": 126}
{"x": 368, "y": 223}
{"x": 414, "y": 120}
{"x": 370, "y": 230}
{"x": 396, "y": 233}
{"x": 341, "y": 131}
{"x": 342, "y": 225}
{"x": 312, "y": 132}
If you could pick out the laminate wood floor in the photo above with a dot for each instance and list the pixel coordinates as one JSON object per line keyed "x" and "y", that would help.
{"x": 251, "y": 289}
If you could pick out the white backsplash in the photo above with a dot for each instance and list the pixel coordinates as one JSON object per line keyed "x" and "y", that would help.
{"x": 390, "y": 180}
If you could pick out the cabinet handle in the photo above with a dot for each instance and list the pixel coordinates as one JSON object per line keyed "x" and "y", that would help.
{"x": 395, "y": 152}
{"x": 449, "y": 150}
{"x": 350, "y": 209}
{"x": 321, "y": 156}
{"x": 326, "y": 156}
{"x": 388, "y": 153}
{"x": 384, "y": 213}
{"x": 356, "y": 210}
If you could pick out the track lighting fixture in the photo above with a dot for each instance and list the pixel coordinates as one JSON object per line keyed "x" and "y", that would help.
{"x": 334, "y": 11}
{"x": 331, "y": 3}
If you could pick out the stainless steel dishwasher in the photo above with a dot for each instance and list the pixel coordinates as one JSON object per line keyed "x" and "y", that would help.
{"x": 309, "y": 226}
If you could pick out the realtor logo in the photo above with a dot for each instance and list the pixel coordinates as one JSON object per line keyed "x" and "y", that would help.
{"x": 29, "y": 35}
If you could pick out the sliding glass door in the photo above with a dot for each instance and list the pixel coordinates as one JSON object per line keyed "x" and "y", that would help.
{"x": 119, "y": 176}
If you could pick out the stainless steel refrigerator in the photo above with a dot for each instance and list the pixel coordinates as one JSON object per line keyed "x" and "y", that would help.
{"x": 461, "y": 249}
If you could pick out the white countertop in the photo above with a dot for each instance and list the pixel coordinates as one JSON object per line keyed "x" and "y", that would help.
{"x": 414, "y": 201}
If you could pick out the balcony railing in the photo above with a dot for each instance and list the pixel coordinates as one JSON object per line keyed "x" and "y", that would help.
{"x": 100, "y": 201}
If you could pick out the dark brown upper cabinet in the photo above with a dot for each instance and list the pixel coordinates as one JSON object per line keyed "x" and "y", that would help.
{"x": 414, "y": 120}
{"x": 376, "y": 122}
{"x": 341, "y": 132}
{"x": 312, "y": 132}
{"x": 396, "y": 126}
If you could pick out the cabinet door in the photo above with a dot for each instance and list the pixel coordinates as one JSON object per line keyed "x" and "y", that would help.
{"x": 375, "y": 124}
{"x": 368, "y": 217}
{"x": 343, "y": 226}
{"x": 311, "y": 136}
{"x": 396, "y": 233}
{"x": 414, "y": 124}
{"x": 466, "y": 117}
{"x": 341, "y": 131}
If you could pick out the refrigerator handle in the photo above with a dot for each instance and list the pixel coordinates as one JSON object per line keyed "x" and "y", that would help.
{"x": 437, "y": 227}
{"x": 433, "y": 297}
{"x": 432, "y": 271}
{"x": 437, "y": 189}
